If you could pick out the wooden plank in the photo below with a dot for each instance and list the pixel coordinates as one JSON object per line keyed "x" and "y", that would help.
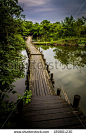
{"x": 35, "y": 83}
{"x": 35, "y": 102}
{"x": 41, "y": 84}
{"x": 49, "y": 111}
{"x": 31, "y": 82}
{"x": 46, "y": 83}
{"x": 37, "y": 89}
{"x": 46, "y": 106}
{"x": 47, "y": 117}
{"x": 73, "y": 127}
{"x": 40, "y": 89}
{"x": 37, "y": 78}
{"x": 30, "y": 107}
{"x": 48, "y": 97}
{"x": 47, "y": 80}
{"x": 36, "y": 54}
{"x": 45, "y": 77}
{"x": 52, "y": 124}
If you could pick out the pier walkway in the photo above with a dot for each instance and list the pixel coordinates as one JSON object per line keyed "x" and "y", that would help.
{"x": 46, "y": 110}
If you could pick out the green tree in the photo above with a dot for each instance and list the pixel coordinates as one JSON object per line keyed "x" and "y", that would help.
{"x": 78, "y": 27}
{"x": 46, "y": 26}
{"x": 11, "y": 44}
{"x": 36, "y": 29}
{"x": 68, "y": 26}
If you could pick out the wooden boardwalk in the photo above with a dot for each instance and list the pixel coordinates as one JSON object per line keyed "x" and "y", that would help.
{"x": 46, "y": 110}
{"x": 39, "y": 81}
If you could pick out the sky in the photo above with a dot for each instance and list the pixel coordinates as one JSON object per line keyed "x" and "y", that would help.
{"x": 52, "y": 10}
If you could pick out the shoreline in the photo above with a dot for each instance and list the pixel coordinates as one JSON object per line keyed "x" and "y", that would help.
{"x": 58, "y": 44}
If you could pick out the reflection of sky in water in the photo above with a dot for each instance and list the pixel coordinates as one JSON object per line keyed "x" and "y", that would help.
{"x": 19, "y": 84}
{"x": 73, "y": 79}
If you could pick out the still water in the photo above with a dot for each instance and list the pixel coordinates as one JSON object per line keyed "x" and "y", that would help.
{"x": 68, "y": 64}
{"x": 19, "y": 83}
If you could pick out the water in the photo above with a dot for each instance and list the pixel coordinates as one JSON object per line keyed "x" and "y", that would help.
{"x": 68, "y": 64}
{"x": 20, "y": 83}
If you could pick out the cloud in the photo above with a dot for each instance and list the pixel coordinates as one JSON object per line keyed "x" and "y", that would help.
{"x": 52, "y": 10}
{"x": 45, "y": 9}
{"x": 33, "y": 3}
{"x": 34, "y": 20}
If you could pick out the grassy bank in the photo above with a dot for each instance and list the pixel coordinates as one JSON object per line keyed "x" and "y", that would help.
{"x": 66, "y": 41}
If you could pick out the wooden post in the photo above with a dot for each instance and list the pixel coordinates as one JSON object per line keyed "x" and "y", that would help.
{"x": 26, "y": 49}
{"x": 28, "y": 72}
{"x": 58, "y": 92}
{"x": 39, "y": 49}
{"x": 27, "y": 77}
{"x": 76, "y": 101}
{"x": 26, "y": 83}
{"x": 42, "y": 56}
{"x": 29, "y": 62}
{"x": 53, "y": 82}
{"x": 29, "y": 55}
{"x": 28, "y": 68}
{"x": 48, "y": 69}
{"x": 30, "y": 52}
{"x": 44, "y": 60}
{"x": 51, "y": 76}
{"x": 20, "y": 106}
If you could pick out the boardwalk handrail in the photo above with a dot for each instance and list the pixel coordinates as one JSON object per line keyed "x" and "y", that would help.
{"x": 65, "y": 95}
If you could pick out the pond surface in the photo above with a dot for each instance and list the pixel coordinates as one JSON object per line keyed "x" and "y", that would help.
{"x": 20, "y": 83}
{"x": 68, "y": 64}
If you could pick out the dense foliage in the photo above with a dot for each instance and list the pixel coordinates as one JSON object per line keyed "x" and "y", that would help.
{"x": 11, "y": 60}
{"x": 26, "y": 97}
{"x": 11, "y": 44}
{"x": 47, "y": 31}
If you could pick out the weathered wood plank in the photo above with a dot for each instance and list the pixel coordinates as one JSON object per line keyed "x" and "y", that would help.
{"x": 36, "y": 54}
{"x": 47, "y": 117}
{"x": 34, "y": 102}
{"x": 50, "y": 124}
{"x": 47, "y": 97}
{"x": 44, "y": 107}
{"x": 49, "y": 111}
